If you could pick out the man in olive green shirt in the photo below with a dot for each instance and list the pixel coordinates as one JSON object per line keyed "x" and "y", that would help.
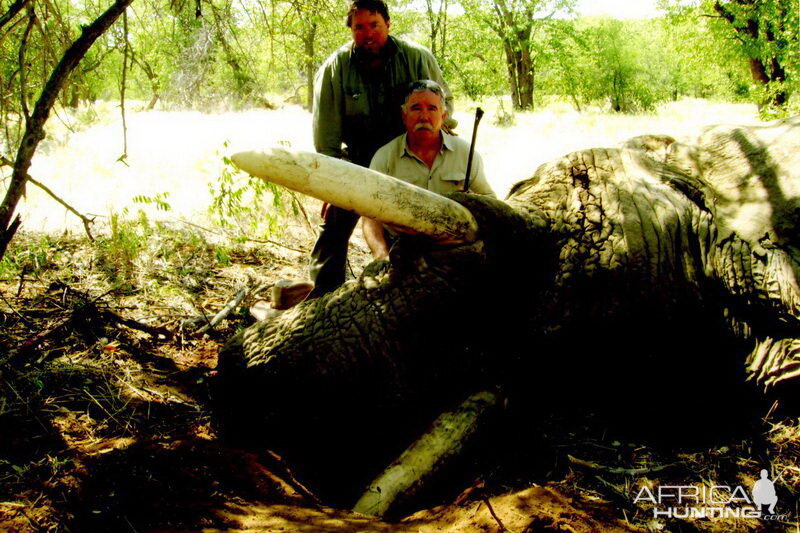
{"x": 425, "y": 156}
{"x": 358, "y": 92}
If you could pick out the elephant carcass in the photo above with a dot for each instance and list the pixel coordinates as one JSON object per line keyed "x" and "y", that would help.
{"x": 655, "y": 259}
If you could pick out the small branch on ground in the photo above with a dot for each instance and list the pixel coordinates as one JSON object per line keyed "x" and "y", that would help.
{"x": 135, "y": 324}
{"x": 494, "y": 515}
{"x": 305, "y": 215}
{"x": 618, "y": 470}
{"x": 87, "y": 222}
{"x": 87, "y": 307}
{"x": 34, "y": 340}
{"x": 276, "y": 243}
{"x": 219, "y": 317}
{"x": 259, "y": 241}
{"x": 621, "y": 497}
{"x": 293, "y": 481}
{"x": 13, "y": 310}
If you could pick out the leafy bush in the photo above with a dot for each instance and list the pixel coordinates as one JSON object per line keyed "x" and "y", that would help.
{"x": 254, "y": 207}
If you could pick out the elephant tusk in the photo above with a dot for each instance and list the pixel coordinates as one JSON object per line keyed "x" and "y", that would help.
{"x": 363, "y": 191}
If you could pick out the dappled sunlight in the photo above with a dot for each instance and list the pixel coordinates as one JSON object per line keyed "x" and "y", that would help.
{"x": 180, "y": 152}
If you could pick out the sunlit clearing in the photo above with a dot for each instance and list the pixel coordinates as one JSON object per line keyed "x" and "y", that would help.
{"x": 180, "y": 153}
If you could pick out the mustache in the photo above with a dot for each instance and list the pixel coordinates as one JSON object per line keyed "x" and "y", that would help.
{"x": 423, "y": 126}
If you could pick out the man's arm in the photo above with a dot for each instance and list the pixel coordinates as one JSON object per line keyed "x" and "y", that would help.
{"x": 478, "y": 183}
{"x": 375, "y": 237}
{"x": 372, "y": 229}
{"x": 327, "y": 112}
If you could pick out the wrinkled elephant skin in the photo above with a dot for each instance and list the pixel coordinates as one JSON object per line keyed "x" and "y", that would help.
{"x": 655, "y": 259}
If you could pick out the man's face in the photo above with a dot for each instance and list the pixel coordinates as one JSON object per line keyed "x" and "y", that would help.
{"x": 424, "y": 114}
{"x": 370, "y": 30}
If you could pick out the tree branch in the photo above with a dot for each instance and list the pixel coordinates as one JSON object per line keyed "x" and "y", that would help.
{"x": 15, "y": 8}
{"x": 34, "y": 128}
{"x": 23, "y": 45}
{"x": 11, "y": 29}
{"x": 86, "y": 220}
{"x": 124, "y": 157}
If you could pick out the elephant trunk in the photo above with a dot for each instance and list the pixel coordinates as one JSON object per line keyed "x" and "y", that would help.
{"x": 363, "y": 191}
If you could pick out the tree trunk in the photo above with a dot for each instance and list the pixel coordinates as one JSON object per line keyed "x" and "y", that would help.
{"x": 34, "y": 128}
{"x": 520, "y": 72}
{"x": 308, "y": 42}
{"x": 776, "y": 74}
{"x": 512, "y": 75}
{"x": 520, "y": 77}
{"x": 437, "y": 21}
{"x": 525, "y": 79}
{"x": 751, "y": 34}
{"x": 152, "y": 77}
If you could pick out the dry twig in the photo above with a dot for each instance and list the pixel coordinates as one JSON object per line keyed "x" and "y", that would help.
{"x": 230, "y": 306}
{"x": 87, "y": 222}
{"x": 618, "y": 470}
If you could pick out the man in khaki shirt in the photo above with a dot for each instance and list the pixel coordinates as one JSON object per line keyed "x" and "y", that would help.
{"x": 424, "y": 156}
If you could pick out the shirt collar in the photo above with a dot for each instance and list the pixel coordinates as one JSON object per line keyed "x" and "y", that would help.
{"x": 447, "y": 144}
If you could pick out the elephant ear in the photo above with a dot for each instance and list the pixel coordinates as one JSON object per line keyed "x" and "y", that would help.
{"x": 750, "y": 180}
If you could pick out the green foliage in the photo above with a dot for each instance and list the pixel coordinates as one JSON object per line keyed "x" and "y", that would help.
{"x": 243, "y": 54}
{"x": 628, "y": 78}
{"x": 695, "y": 63}
{"x": 119, "y": 252}
{"x": 474, "y": 65}
{"x": 252, "y": 206}
{"x": 144, "y": 255}
{"x": 223, "y": 256}
{"x": 761, "y": 36}
{"x": 159, "y": 200}
{"x": 30, "y": 258}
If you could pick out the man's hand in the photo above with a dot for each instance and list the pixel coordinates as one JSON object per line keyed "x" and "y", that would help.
{"x": 373, "y": 234}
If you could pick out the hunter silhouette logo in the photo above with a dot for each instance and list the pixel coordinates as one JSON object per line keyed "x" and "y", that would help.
{"x": 764, "y": 492}
{"x": 713, "y": 501}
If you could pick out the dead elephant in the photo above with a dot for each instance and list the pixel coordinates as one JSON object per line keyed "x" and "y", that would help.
{"x": 607, "y": 268}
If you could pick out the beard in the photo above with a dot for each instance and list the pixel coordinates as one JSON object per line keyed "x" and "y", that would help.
{"x": 370, "y": 48}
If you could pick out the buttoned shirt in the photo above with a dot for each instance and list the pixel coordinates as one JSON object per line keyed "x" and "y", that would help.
{"x": 359, "y": 106}
{"x": 445, "y": 176}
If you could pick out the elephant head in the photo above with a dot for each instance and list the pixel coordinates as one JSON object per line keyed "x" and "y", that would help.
{"x": 657, "y": 258}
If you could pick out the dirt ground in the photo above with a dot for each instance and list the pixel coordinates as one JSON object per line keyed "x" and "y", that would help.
{"x": 106, "y": 425}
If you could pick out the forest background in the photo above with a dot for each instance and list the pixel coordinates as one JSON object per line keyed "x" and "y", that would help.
{"x": 213, "y": 55}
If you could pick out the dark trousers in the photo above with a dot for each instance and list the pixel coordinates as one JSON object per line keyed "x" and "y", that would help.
{"x": 329, "y": 257}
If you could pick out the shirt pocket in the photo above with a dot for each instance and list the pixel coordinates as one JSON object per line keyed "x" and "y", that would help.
{"x": 453, "y": 182}
{"x": 355, "y": 102}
